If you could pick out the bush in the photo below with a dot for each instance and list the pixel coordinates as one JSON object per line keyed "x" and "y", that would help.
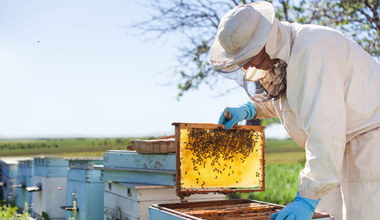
{"x": 9, "y": 212}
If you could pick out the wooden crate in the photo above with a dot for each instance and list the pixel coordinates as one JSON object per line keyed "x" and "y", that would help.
{"x": 156, "y": 146}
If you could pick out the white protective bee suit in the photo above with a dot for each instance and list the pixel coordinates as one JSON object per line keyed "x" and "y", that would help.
{"x": 332, "y": 109}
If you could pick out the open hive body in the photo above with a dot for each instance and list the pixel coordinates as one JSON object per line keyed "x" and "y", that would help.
{"x": 237, "y": 209}
{"x": 210, "y": 159}
{"x": 224, "y": 209}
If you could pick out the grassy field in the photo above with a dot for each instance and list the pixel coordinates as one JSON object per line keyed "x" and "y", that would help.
{"x": 276, "y": 151}
{"x": 62, "y": 147}
{"x": 283, "y": 152}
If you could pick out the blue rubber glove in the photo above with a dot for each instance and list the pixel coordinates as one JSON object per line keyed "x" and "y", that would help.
{"x": 246, "y": 111}
{"x": 301, "y": 209}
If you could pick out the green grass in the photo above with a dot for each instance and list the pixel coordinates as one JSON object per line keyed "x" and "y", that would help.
{"x": 283, "y": 152}
{"x": 69, "y": 147}
{"x": 285, "y": 158}
{"x": 290, "y": 152}
{"x": 282, "y": 146}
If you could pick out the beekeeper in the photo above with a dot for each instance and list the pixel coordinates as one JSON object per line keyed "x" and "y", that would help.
{"x": 325, "y": 89}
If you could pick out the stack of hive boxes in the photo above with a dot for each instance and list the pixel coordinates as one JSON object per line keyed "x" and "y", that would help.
{"x": 84, "y": 193}
{"x": 24, "y": 179}
{"x": 48, "y": 187}
{"x": 134, "y": 181}
{"x": 9, "y": 173}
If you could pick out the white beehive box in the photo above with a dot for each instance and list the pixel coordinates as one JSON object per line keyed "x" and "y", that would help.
{"x": 49, "y": 187}
{"x": 131, "y": 201}
{"x": 134, "y": 181}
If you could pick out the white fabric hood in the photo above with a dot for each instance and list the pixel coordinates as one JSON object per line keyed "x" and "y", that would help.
{"x": 278, "y": 45}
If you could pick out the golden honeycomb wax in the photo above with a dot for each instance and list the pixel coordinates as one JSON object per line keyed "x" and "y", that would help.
{"x": 218, "y": 158}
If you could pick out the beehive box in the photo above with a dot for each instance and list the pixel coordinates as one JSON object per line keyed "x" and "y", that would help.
{"x": 49, "y": 186}
{"x": 9, "y": 177}
{"x": 132, "y": 167}
{"x": 211, "y": 159}
{"x": 24, "y": 179}
{"x": 85, "y": 189}
{"x": 131, "y": 200}
{"x": 134, "y": 181}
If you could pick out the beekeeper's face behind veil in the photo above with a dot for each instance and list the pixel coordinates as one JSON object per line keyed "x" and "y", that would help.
{"x": 251, "y": 38}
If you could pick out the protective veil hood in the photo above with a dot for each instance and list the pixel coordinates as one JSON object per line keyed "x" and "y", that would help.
{"x": 278, "y": 46}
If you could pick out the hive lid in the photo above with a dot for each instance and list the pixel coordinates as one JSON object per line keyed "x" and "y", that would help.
{"x": 211, "y": 159}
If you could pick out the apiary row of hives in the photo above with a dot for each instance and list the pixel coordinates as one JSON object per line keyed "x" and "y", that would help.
{"x": 53, "y": 187}
{"x": 120, "y": 185}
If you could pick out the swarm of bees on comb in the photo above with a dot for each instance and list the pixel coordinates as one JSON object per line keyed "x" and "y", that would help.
{"x": 217, "y": 148}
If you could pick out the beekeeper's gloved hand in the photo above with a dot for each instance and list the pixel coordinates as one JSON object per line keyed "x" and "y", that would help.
{"x": 302, "y": 208}
{"x": 246, "y": 111}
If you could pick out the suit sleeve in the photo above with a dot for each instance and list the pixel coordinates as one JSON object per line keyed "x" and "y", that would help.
{"x": 265, "y": 109}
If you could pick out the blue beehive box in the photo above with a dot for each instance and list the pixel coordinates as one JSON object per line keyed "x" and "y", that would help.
{"x": 133, "y": 167}
{"x": 85, "y": 189}
{"x": 9, "y": 177}
{"x": 49, "y": 187}
{"x": 24, "y": 179}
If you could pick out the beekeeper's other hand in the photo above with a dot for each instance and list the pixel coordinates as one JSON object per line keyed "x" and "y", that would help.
{"x": 302, "y": 208}
{"x": 246, "y": 111}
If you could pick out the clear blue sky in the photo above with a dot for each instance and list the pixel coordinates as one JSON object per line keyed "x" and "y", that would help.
{"x": 71, "y": 69}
